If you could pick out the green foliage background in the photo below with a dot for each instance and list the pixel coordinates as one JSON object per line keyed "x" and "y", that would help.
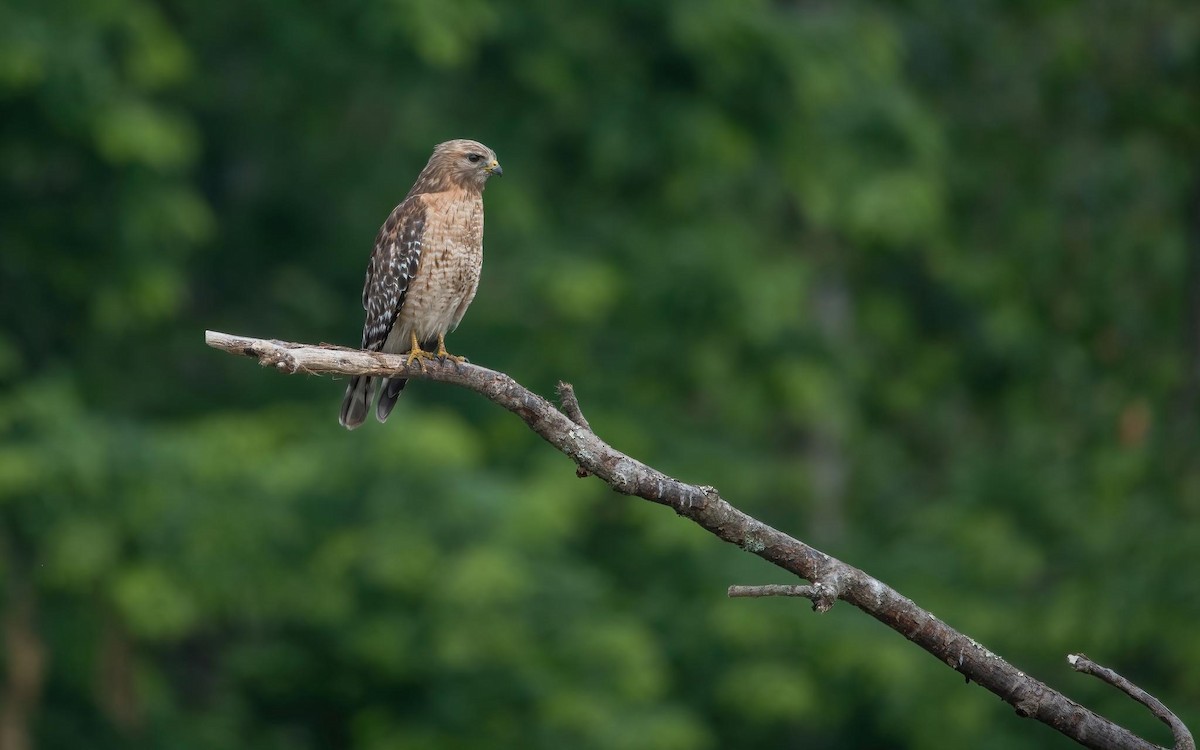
{"x": 910, "y": 280}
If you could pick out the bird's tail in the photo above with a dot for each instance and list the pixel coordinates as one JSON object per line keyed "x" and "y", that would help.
{"x": 358, "y": 397}
{"x": 391, "y": 391}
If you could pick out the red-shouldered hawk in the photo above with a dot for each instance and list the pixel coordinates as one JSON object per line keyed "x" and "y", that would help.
{"x": 424, "y": 270}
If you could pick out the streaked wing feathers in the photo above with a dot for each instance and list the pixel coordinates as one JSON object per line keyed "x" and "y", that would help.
{"x": 391, "y": 270}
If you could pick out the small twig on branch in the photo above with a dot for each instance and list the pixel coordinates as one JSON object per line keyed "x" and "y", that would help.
{"x": 570, "y": 404}
{"x": 704, "y": 506}
{"x": 570, "y": 407}
{"x": 820, "y": 594}
{"x": 1183, "y": 738}
{"x": 773, "y": 589}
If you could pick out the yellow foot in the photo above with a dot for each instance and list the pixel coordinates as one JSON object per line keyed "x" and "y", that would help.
{"x": 417, "y": 353}
{"x": 443, "y": 354}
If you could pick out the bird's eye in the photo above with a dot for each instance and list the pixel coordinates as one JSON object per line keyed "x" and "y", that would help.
{"x": 473, "y": 158}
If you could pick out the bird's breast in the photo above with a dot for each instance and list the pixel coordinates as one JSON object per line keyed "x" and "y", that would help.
{"x": 448, "y": 272}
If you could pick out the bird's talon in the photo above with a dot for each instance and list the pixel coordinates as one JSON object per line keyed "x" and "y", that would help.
{"x": 417, "y": 353}
{"x": 420, "y": 356}
{"x": 444, "y": 355}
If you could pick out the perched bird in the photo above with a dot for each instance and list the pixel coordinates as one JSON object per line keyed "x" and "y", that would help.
{"x": 424, "y": 269}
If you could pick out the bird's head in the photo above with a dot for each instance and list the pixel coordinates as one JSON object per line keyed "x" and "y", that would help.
{"x": 467, "y": 163}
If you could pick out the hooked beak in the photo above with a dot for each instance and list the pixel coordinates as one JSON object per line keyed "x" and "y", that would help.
{"x": 494, "y": 168}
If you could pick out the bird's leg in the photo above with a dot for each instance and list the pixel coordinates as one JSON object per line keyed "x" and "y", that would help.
{"x": 417, "y": 353}
{"x": 443, "y": 354}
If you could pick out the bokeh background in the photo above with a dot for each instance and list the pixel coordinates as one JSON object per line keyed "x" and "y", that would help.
{"x": 917, "y": 282}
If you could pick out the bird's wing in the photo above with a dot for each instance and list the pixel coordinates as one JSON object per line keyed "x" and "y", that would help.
{"x": 392, "y": 267}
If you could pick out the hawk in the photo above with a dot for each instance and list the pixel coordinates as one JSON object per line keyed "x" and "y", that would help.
{"x": 424, "y": 269}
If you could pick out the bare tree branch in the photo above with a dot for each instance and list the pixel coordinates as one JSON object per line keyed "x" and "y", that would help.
{"x": 705, "y": 506}
{"x": 1183, "y": 738}
{"x": 821, "y": 595}
{"x": 772, "y": 589}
